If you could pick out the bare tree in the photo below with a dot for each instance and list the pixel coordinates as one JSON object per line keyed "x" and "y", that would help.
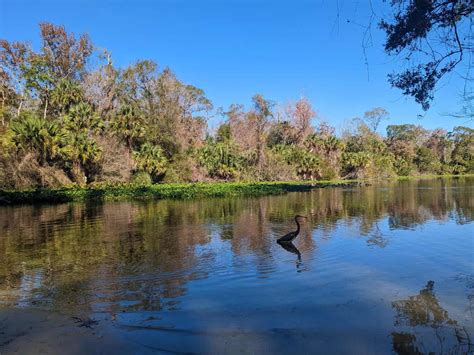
{"x": 300, "y": 115}
{"x": 374, "y": 117}
{"x": 13, "y": 57}
{"x": 467, "y": 108}
{"x": 260, "y": 118}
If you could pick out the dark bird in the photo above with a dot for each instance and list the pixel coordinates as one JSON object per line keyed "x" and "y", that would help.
{"x": 292, "y": 235}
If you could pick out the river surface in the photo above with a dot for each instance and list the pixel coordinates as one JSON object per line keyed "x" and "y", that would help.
{"x": 387, "y": 268}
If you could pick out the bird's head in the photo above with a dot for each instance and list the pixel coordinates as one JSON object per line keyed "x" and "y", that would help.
{"x": 300, "y": 216}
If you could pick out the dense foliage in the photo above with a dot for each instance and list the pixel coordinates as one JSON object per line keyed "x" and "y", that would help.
{"x": 68, "y": 115}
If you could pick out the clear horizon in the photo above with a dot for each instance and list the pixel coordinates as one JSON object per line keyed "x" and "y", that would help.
{"x": 234, "y": 50}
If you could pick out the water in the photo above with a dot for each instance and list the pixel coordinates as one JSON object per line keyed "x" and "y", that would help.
{"x": 387, "y": 268}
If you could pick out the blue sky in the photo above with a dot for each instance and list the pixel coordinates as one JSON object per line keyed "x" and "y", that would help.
{"x": 234, "y": 49}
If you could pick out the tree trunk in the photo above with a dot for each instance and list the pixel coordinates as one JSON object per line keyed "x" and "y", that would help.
{"x": 78, "y": 173}
{"x": 129, "y": 144}
{"x": 3, "y": 107}
{"x": 19, "y": 106}
{"x": 260, "y": 150}
{"x": 45, "y": 109}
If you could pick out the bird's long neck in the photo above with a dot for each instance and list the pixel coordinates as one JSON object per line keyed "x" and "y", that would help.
{"x": 298, "y": 225}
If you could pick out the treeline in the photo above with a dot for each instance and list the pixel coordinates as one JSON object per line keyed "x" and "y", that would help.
{"x": 68, "y": 115}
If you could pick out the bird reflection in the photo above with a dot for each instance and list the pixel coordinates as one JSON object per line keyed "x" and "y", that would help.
{"x": 289, "y": 246}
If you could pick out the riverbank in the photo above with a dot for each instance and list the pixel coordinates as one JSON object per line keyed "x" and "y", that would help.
{"x": 176, "y": 191}
{"x": 160, "y": 191}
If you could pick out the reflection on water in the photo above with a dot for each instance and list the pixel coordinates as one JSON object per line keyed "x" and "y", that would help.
{"x": 215, "y": 264}
{"x": 289, "y": 246}
{"x": 428, "y": 319}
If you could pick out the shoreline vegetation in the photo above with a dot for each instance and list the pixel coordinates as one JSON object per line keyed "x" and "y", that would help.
{"x": 182, "y": 191}
{"x": 74, "y": 126}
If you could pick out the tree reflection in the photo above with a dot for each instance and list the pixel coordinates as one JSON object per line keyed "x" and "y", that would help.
{"x": 422, "y": 309}
{"x": 377, "y": 238}
{"x": 142, "y": 254}
{"x": 423, "y": 312}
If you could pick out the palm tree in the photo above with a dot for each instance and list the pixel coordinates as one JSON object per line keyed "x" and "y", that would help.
{"x": 65, "y": 95}
{"x": 128, "y": 125}
{"x": 150, "y": 159}
{"x": 80, "y": 151}
{"x": 32, "y": 133}
{"x": 221, "y": 159}
{"x": 82, "y": 118}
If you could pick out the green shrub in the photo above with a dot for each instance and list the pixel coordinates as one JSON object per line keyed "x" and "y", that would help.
{"x": 141, "y": 178}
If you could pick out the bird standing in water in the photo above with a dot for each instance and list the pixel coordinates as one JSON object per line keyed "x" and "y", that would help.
{"x": 292, "y": 235}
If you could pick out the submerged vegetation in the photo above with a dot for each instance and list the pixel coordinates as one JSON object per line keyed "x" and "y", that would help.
{"x": 68, "y": 116}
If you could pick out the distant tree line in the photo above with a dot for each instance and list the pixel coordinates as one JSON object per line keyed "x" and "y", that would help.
{"x": 68, "y": 115}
